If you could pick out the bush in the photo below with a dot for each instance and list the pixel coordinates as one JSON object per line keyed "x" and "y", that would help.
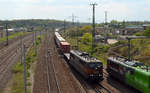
{"x": 147, "y": 32}
{"x": 18, "y": 68}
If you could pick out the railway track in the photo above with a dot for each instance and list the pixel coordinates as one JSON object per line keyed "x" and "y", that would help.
{"x": 99, "y": 88}
{"x": 50, "y": 68}
{"x": 11, "y": 41}
{"x": 9, "y": 56}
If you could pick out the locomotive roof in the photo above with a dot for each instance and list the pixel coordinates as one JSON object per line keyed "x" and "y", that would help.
{"x": 125, "y": 61}
{"x": 84, "y": 56}
{"x": 133, "y": 63}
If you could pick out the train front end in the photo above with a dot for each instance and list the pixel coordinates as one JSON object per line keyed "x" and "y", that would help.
{"x": 95, "y": 71}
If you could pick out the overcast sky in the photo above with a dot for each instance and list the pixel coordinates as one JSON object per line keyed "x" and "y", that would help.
{"x": 129, "y": 10}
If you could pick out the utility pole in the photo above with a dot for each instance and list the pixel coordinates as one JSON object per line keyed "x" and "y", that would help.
{"x": 35, "y": 47}
{"x": 78, "y": 25}
{"x": 105, "y": 27}
{"x": 21, "y": 45}
{"x": 7, "y": 33}
{"x": 129, "y": 48}
{"x": 32, "y": 29}
{"x": 93, "y": 32}
{"x": 40, "y": 37}
{"x": 24, "y": 52}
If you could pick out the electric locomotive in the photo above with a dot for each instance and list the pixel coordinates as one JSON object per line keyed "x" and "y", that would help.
{"x": 132, "y": 73}
{"x": 89, "y": 67}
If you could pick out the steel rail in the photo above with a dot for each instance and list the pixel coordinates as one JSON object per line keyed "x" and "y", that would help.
{"x": 54, "y": 70}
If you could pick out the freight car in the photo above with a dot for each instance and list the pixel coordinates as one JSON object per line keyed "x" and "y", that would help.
{"x": 89, "y": 67}
{"x": 132, "y": 73}
{"x": 61, "y": 43}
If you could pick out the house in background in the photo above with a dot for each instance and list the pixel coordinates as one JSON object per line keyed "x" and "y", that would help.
{"x": 145, "y": 26}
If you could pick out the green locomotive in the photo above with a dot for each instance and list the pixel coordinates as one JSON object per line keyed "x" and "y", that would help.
{"x": 133, "y": 73}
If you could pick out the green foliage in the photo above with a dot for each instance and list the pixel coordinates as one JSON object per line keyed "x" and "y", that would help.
{"x": 18, "y": 70}
{"x": 114, "y": 22}
{"x": 86, "y": 29}
{"x": 147, "y": 32}
{"x": 139, "y": 34}
{"x": 139, "y": 50}
{"x": 87, "y": 38}
{"x": 18, "y": 84}
{"x": 13, "y": 36}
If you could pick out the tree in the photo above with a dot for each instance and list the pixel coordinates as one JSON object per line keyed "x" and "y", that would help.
{"x": 114, "y": 22}
{"x": 147, "y": 32}
{"x": 87, "y": 38}
{"x": 86, "y": 29}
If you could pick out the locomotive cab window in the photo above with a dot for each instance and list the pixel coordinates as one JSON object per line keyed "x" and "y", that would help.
{"x": 131, "y": 71}
{"x": 93, "y": 65}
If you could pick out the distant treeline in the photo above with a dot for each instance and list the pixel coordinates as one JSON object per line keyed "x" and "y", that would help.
{"x": 37, "y": 23}
{"x": 58, "y": 23}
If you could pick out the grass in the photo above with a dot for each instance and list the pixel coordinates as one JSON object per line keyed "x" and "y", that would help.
{"x": 18, "y": 70}
{"x": 139, "y": 50}
{"x": 100, "y": 51}
{"x": 12, "y": 36}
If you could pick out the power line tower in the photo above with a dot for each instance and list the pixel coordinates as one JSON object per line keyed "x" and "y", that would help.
{"x": 73, "y": 19}
{"x": 93, "y": 32}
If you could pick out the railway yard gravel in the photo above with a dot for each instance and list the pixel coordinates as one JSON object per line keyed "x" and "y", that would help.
{"x": 8, "y": 57}
{"x": 68, "y": 83}
{"x": 48, "y": 56}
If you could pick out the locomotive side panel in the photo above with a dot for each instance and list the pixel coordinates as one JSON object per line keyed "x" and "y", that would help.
{"x": 74, "y": 61}
{"x": 116, "y": 70}
{"x": 138, "y": 80}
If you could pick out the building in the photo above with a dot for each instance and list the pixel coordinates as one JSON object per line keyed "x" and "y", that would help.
{"x": 145, "y": 26}
{"x": 130, "y": 30}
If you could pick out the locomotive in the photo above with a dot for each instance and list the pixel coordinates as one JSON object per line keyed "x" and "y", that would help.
{"x": 90, "y": 68}
{"x": 132, "y": 73}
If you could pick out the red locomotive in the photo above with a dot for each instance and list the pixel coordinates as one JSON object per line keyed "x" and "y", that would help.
{"x": 89, "y": 67}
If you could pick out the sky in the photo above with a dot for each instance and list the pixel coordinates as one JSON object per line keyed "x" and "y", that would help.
{"x": 128, "y": 10}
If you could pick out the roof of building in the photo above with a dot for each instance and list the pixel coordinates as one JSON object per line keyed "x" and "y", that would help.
{"x": 146, "y": 24}
{"x": 134, "y": 27}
